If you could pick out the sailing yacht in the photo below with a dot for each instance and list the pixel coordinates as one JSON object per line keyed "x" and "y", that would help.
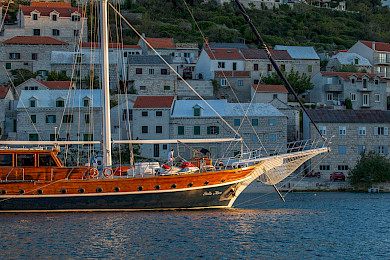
{"x": 35, "y": 180}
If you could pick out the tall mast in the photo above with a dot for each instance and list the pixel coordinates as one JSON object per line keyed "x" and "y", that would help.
{"x": 107, "y": 160}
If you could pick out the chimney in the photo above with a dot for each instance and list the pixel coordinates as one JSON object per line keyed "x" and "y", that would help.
{"x": 373, "y": 46}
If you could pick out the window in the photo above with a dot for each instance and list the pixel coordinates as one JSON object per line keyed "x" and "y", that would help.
{"x": 32, "y": 102}
{"x": 144, "y": 113}
{"x": 255, "y": 66}
{"x": 381, "y": 149}
{"x": 196, "y": 130}
{"x": 35, "y": 17}
{"x": 221, "y": 65}
{"x": 275, "y": 96}
{"x": 353, "y": 97}
{"x": 234, "y": 65}
{"x": 283, "y": 67}
{"x": 196, "y": 111}
{"x": 167, "y": 87}
{"x": 54, "y": 17}
{"x": 127, "y": 112}
{"x": 33, "y": 137}
{"x": 254, "y": 138}
{"x": 86, "y": 102}
{"x": 46, "y": 160}
{"x": 5, "y": 159}
{"x": 51, "y": 119}
{"x": 14, "y": 56}
{"x": 342, "y": 149}
{"x": 342, "y": 167}
{"x": 60, "y": 103}
{"x": 272, "y": 121}
{"x": 76, "y": 33}
{"x": 142, "y": 87}
{"x": 212, "y": 130}
{"x": 36, "y": 32}
{"x": 364, "y": 83}
{"x": 144, "y": 129}
{"x": 86, "y": 118}
{"x": 255, "y": 81}
{"x": 25, "y": 159}
{"x": 376, "y": 82}
{"x": 165, "y": 146}
{"x": 310, "y": 68}
{"x": 272, "y": 137}
{"x": 34, "y": 56}
{"x": 322, "y": 129}
{"x": 361, "y": 149}
{"x": 151, "y": 71}
{"x": 224, "y": 82}
{"x": 158, "y": 113}
{"x": 240, "y": 83}
{"x": 158, "y": 129}
{"x": 67, "y": 119}
{"x": 180, "y": 130}
{"x": 362, "y": 130}
{"x": 164, "y": 72}
{"x": 342, "y": 130}
{"x": 138, "y": 71}
{"x": 377, "y": 98}
{"x": 53, "y": 137}
{"x": 75, "y": 18}
{"x": 56, "y": 32}
{"x": 88, "y": 137}
{"x": 8, "y": 66}
{"x": 237, "y": 122}
{"x": 366, "y": 100}
{"x": 329, "y": 97}
{"x": 324, "y": 168}
{"x": 381, "y": 131}
{"x": 255, "y": 122}
{"x": 269, "y": 67}
{"x": 156, "y": 150}
{"x": 353, "y": 81}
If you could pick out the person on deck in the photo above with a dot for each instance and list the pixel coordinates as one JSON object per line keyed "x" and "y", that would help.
{"x": 205, "y": 152}
{"x": 171, "y": 158}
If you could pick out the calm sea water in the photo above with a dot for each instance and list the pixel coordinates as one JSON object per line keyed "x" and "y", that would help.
{"x": 307, "y": 226}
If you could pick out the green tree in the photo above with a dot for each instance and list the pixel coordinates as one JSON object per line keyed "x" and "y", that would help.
{"x": 347, "y": 68}
{"x": 92, "y": 81}
{"x": 299, "y": 82}
{"x": 348, "y": 103}
{"x": 371, "y": 167}
{"x": 57, "y": 76}
{"x": 21, "y": 75}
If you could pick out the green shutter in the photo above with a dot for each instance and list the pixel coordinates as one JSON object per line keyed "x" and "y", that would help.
{"x": 217, "y": 129}
{"x": 208, "y": 130}
{"x": 196, "y": 130}
{"x": 180, "y": 130}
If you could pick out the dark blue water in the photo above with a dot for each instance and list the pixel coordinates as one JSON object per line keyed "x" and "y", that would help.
{"x": 307, "y": 226}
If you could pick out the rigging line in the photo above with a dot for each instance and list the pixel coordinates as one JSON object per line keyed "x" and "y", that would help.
{"x": 279, "y": 72}
{"x": 25, "y": 108}
{"x": 188, "y": 85}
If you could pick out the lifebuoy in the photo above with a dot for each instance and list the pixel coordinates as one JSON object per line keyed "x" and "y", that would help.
{"x": 108, "y": 172}
{"x": 93, "y": 172}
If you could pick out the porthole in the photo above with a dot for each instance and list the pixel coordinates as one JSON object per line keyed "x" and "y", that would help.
{"x": 206, "y": 182}
{"x": 3, "y": 192}
{"x": 173, "y": 186}
{"x": 39, "y": 192}
{"x": 116, "y": 189}
{"x": 223, "y": 180}
{"x": 190, "y": 184}
{"x": 21, "y": 191}
{"x": 63, "y": 191}
{"x": 157, "y": 187}
{"x": 81, "y": 190}
{"x": 99, "y": 190}
{"x": 139, "y": 188}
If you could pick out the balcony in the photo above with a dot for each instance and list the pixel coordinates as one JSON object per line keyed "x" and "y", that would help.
{"x": 333, "y": 88}
{"x": 378, "y": 60}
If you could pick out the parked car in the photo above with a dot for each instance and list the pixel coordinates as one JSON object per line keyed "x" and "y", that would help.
{"x": 337, "y": 176}
{"x": 312, "y": 174}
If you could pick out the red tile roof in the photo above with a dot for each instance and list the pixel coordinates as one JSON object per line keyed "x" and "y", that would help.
{"x": 347, "y": 75}
{"x": 154, "y": 101}
{"x": 269, "y": 88}
{"x": 379, "y": 46}
{"x": 231, "y": 73}
{"x": 51, "y": 4}
{"x": 56, "y": 84}
{"x": 164, "y": 43}
{"x": 46, "y": 11}
{"x": 34, "y": 40}
{"x": 337, "y": 52}
{"x": 3, "y": 91}
{"x": 349, "y": 116}
{"x": 110, "y": 45}
{"x": 224, "y": 54}
{"x": 261, "y": 54}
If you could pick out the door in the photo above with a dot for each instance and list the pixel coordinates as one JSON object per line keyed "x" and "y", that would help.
{"x": 156, "y": 150}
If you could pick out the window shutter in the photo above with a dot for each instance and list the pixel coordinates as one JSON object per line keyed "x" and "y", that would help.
{"x": 217, "y": 129}
{"x": 386, "y": 149}
{"x": 386, "y": 131}
{"x": 208, "y": 130}
{"x": 375, "y": 130}
{"x": 376, "y": 149}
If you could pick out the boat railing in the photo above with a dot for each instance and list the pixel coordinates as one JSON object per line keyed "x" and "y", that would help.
{"x": 12, "y": 170}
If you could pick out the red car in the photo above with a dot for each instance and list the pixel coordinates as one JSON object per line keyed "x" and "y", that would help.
{"x": 337, "y": 176}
